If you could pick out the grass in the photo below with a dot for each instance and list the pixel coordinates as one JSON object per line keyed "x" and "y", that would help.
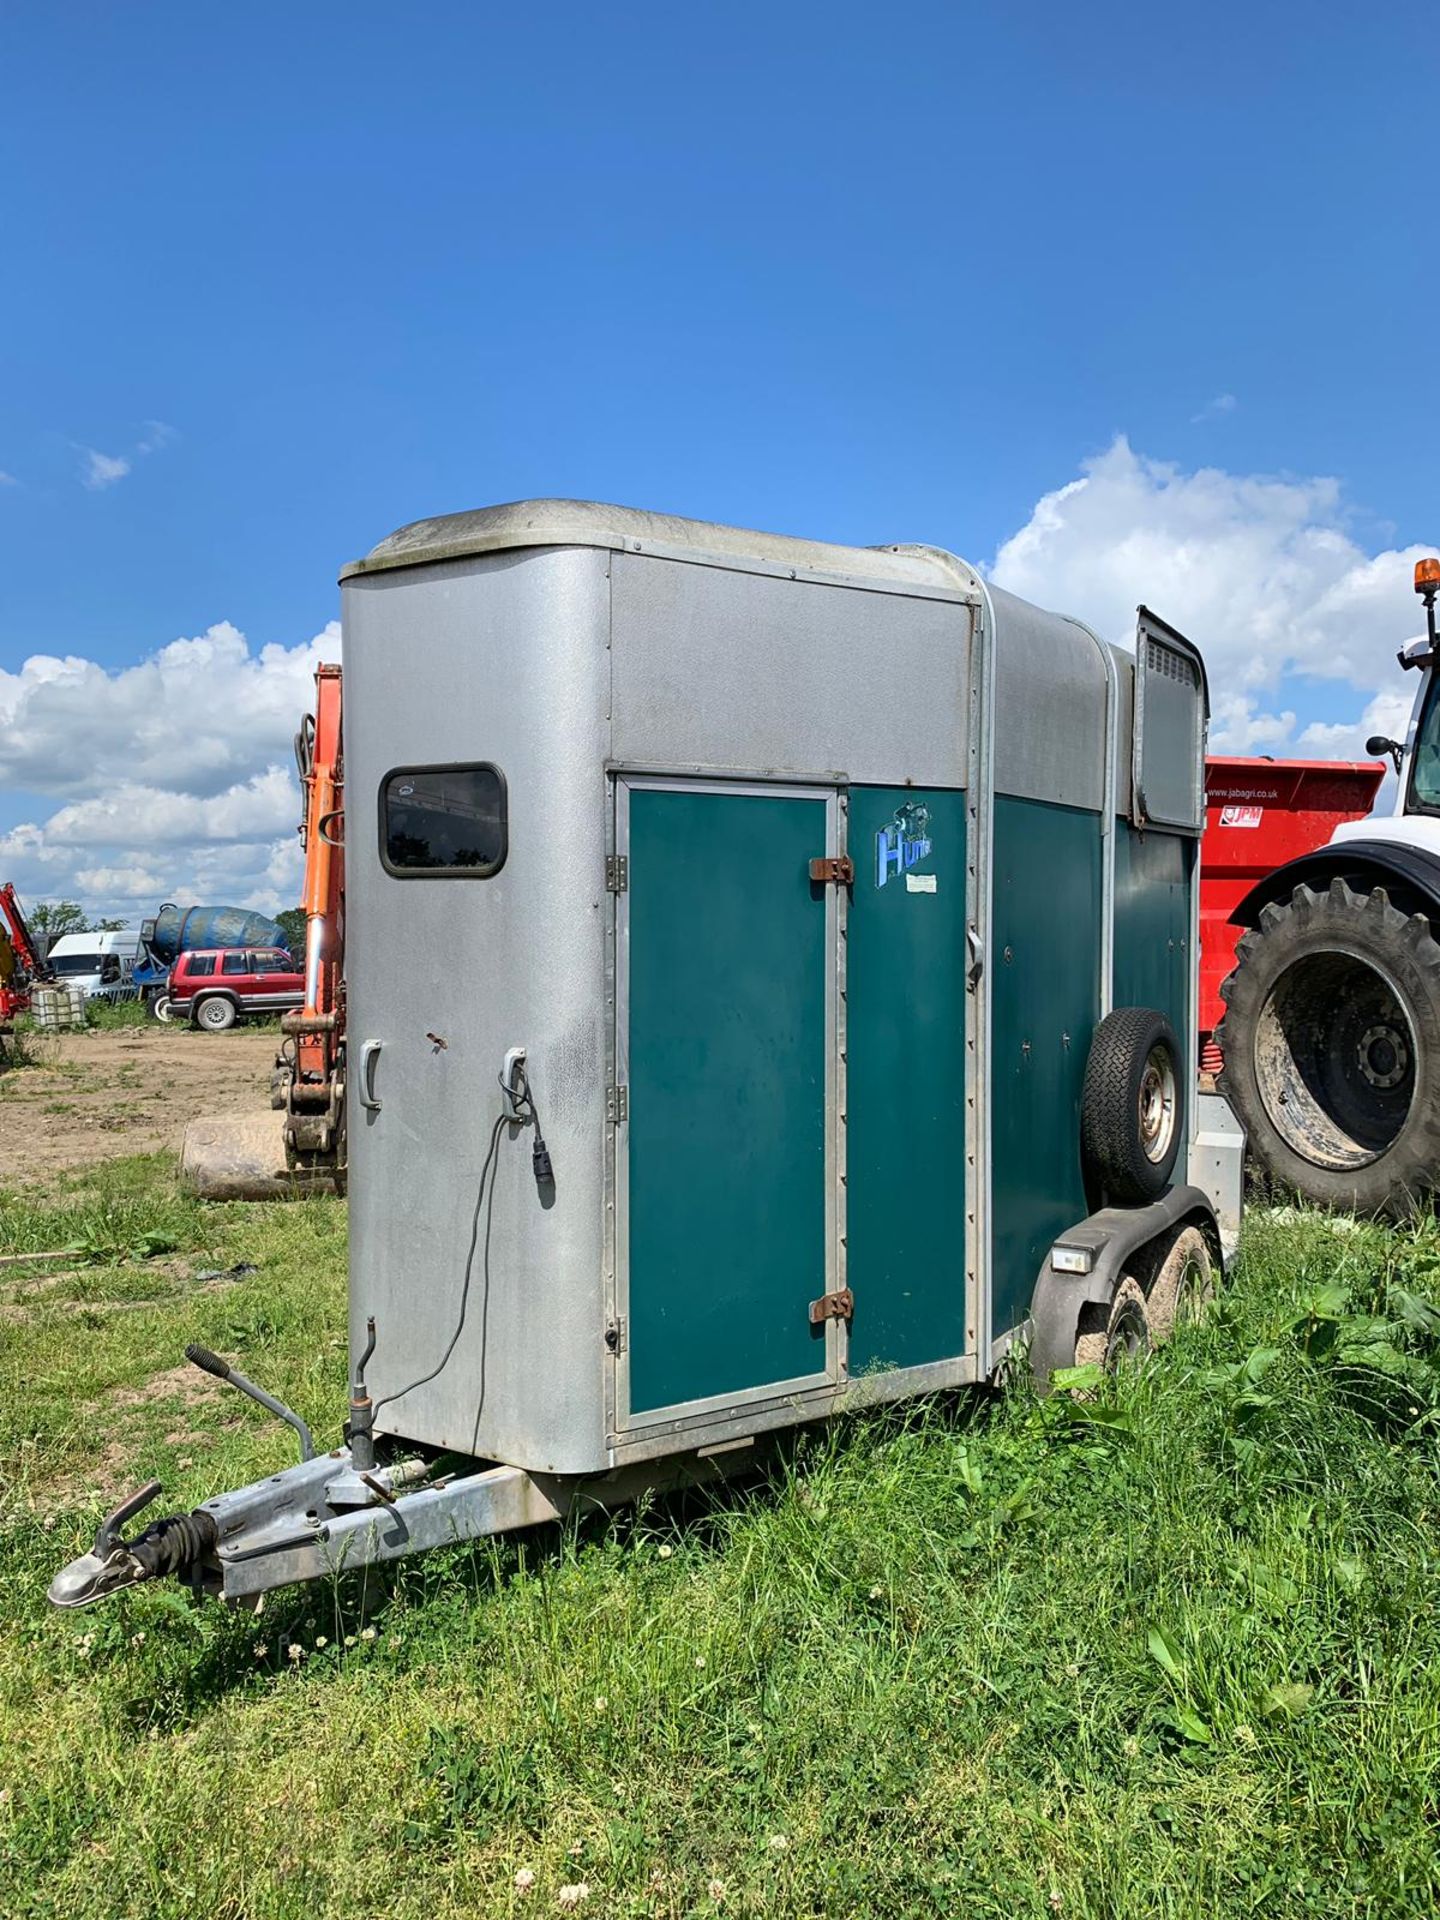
{"x": 1167, "y": 1649}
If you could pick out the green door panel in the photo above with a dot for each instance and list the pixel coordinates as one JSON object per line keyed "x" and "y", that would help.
{"x": 1154, "y": 958}
{"x": 1045, "y": 996}
{"x": 726, "y": 1074}
{"x": 905, "y": 1078}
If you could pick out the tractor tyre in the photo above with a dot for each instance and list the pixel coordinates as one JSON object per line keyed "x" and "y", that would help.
{"x": 1133, "y": 1105}
{"x": 215, "y": 1013}
{"x": 1331, "y": 1040}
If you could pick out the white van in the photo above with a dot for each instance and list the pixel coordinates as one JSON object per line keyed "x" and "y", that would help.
{"x": 96, "y": 962}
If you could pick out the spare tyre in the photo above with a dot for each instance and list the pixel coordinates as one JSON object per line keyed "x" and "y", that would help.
{"x": 1132, "y": 1109}
{"x": 1331, "y": 1042}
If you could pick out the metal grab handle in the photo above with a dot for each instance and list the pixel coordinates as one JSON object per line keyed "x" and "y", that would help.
{"x": 107, "y": 1536}
{"x": 369, "y": 1054}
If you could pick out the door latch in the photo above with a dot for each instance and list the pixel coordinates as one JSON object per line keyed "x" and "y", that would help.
{"x": 832, "y": 1306}
{"x": 836, "y": 871}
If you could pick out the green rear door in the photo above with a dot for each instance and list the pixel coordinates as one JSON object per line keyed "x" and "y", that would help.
{"x": 726, "y": 995}
{"x": 907, "y": 1176}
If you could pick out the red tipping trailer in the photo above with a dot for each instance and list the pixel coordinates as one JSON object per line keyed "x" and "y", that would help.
{"x": 1259, "y": 814}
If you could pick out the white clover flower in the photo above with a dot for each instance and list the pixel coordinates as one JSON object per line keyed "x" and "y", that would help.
{"x": 716, "y": 1891}
{"x": 295, "y": 1651}
{"x": 572, "y": 1896}
{"x": 665, "y": 1550}
{"x": 367, "y": 1633}
{"x": 524, "y": 1880}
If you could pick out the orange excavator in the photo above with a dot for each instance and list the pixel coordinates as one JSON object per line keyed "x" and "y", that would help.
{"x": 249, "y": 1157}
{"x": 310, "y": 1073}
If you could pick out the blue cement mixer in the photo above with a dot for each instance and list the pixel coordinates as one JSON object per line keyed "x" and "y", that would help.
{"x": 176, "y": 930}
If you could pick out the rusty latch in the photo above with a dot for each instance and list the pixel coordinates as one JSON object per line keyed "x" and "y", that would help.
{"x": 832, "y": 1306}
{"x": 839, "y": 872}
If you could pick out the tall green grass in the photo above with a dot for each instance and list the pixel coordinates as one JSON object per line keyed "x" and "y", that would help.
{"x": 1169, "y": 1649}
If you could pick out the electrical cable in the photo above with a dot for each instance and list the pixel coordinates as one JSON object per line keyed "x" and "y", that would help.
{"x": 444, "y": 1361}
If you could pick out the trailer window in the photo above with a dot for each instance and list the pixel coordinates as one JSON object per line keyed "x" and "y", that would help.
{"x": 436, "y": 821}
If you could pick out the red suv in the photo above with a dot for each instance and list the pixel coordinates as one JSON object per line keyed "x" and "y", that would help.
{"x": 214, "y": 990}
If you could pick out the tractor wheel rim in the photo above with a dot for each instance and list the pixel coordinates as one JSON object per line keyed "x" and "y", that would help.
{"x": 1157, "y": 1105}
{"x": 1383, "y": 1055}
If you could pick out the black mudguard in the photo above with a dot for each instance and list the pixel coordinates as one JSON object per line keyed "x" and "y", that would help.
{"x": 1410, "y": 875}
{"x": 1113, "y": 1235}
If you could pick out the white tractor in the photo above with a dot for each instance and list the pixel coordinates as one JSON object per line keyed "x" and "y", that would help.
{"x": 1331, "y": 1034}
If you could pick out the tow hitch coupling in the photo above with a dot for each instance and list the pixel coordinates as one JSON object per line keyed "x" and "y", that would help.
{"x": 177, "y": 1544}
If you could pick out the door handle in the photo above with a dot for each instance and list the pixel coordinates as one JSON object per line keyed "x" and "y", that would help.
{"x": 976, "y": 948}
{"x": 369, "y": 1054}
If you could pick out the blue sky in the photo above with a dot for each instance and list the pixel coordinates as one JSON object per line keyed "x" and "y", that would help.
{"x": 861, "y": 273}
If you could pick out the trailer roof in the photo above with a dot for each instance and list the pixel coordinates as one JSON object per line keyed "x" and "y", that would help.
{"x": 591, "y": 523}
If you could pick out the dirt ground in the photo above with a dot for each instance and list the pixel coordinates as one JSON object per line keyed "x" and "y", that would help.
{"x": 93, "y": 1096}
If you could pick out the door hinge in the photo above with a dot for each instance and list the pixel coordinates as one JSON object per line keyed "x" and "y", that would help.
{"x": 615, "y": 1336}
{"x": 832, "y": 1306}
{"x": 838, "y": 871}
{"x": 617, "y": 1105}
{"x": 617, "y": 873}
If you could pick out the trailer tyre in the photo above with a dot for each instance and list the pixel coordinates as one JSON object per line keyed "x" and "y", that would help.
{"x": 1183, "y": 1285}
{"x": 1109, "y": 1336}
{"x": 215, "y": 1014}
{"x": 1132, "y": 1106}
{"x": 1331, "y": 1040}
{"x": 161, "y": 1009}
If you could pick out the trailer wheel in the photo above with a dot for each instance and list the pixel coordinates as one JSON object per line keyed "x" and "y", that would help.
{"x": 1331, "y": 1038}
{"x": 1183, "y": 1286}
{"x": 216, "y": 1014}
{"x": 161, "y": 1009}
{"x": 1108, "y": 1336}
{"x": 1132, "y": 1105}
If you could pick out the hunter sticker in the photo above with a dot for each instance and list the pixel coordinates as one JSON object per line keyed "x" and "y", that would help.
{"x": 903, "y": 843}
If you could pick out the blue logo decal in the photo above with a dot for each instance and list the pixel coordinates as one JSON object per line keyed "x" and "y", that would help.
{"x": 903, "y": 843}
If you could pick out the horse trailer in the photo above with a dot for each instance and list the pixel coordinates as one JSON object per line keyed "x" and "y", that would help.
{"x": 771, "y": 989}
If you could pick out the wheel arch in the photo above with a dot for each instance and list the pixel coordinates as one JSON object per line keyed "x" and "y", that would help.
{"x": 1409, "y": 875}
{"x": 215, "y": 993}
{"x": 1114, "y": 1236}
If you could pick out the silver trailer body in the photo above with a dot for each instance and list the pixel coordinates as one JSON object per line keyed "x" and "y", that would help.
{"x": 585, "y": 650}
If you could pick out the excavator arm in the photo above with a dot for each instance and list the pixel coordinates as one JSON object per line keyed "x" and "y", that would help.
{"x": 315, "y": 1081}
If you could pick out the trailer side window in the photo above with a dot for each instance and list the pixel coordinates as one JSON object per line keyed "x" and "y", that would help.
{"x": 437, "y": 821}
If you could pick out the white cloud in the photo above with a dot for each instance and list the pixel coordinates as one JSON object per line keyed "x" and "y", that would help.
{"x": 1262, "y": 573}
{"x": 155, "y": 436}
{"x": 101, "y": 470}
{"x": 171, "y": 779}
{"x": 1222, "y": 403}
